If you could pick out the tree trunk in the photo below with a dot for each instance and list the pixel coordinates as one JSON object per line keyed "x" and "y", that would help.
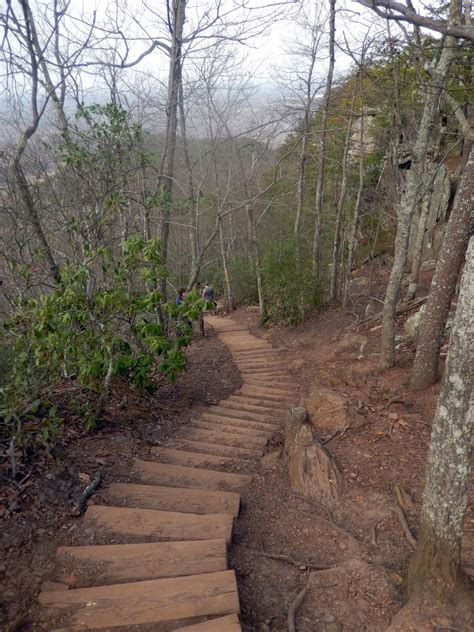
{"x": 458, "y": 231}
{"x": 411, "y": 200}
{"x": 333, "y": 288}
{"x": 355, "y": 218}
{"x": 165, "y": 184}
{"x": 256, "y": 259}
{"x": 318, "y": 203}
{"x": 229, "y": 299}
{"x": 436, "y": 565}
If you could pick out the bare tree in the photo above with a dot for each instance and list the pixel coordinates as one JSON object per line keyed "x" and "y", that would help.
{"x": 320, "y": 166}
{"x": 411, "y": 198}
{"x": 458, "y": 231}
{"x": 436, "y": 565}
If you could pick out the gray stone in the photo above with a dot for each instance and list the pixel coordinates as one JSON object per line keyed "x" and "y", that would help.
{"x": 412, "y": 324}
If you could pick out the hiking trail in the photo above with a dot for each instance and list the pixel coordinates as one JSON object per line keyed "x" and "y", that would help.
{"x": 171, "y": 527}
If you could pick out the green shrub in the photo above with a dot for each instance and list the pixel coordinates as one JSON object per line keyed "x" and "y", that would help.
{"x": 105, "y": 319}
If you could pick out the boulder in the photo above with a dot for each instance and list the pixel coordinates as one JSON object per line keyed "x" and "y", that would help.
{"x": 412, "y": 323}
{"x": 352, "y": 343}
{"x": 331, "y": 412}
{"x": 312, "y": 472}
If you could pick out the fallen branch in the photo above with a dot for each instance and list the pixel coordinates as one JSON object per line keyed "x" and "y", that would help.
{"x": 292, "y": 610}
{"x": 401, "y": 309}
{"x": 406, "y": 529}
{"x": 338, "y": 433}
{"x": 79, "y": 507}
{"x": 289, "y": 560}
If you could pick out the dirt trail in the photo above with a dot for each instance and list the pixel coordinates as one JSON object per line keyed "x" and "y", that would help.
{"x": 169, "y": 527}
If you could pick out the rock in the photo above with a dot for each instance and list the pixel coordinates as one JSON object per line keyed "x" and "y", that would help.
{"x": 412, "y": 324}
{"x": 426, "y": 266}
{"x": 312, "y": 472}
{"x": 270, "y": 461}
{"x": 329, "y": 411}
{"x": 352, "y": 343}
{"x": 297, "y": 365}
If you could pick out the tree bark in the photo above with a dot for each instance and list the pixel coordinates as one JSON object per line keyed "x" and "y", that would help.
{"x": 458, "y": 231}
{"x": 333, "y": 288}
{"x": 411, "y": 199}
{"x": 436, "y": 565}
{"x": 318, "y": 202}
{"x": 177, "y": 11}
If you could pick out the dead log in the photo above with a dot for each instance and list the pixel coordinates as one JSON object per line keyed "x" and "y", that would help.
{"x": 312, "y": 472}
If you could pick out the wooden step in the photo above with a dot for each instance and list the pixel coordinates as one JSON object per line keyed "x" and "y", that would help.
{"x": 154, "y": 525}
{"x": 243, "y": 405}
{"x": 268, "y": 383}
{"x": 265, "y": 365}
{"x": 198, "y": 459}
{"x": 253, "y": 401}
{"x": 228, "y": 418}
{"x": 274, "y": 376}
{"x": 262, "y": 419}
{"x": 182, "y": 476}
{"x": 222, "y": 426}
{"x": 276, "y": 395}
{"x": 120, "y": 563}
{"x": 222, "y": 624}
{"x": 151, "y": 601}
{"x": 215, "y": 449}
{"x": 222, "y": 438}
{"x": 188, "y": 500}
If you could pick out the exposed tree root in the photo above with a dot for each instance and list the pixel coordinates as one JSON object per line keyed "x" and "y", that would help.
{"x": 292, "y": 610}
{"x": 79, "y": 507}
{"x": 289, "y": 560}
{"x": 406, "y": 529}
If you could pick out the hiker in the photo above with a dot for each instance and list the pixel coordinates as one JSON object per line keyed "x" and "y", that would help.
{"x": 181, "y": 296}
{"x": 208, "y": 295}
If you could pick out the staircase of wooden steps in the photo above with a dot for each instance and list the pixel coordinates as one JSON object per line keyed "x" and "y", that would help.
{"x": 172, "y": 525}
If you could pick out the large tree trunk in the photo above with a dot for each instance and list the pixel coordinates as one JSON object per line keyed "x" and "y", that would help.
{"x": 165, "y": 183}
{"x": 460, "y": 227}
{"x": 436, "y": 565}
{"x": 252, "y": 228}
{"x": 351, "y": 246}
{"x": 320, "y": 167}
{"x": 336, "y": 247}
{"x": 411, "y": 199}
{"x": 229, "y": 297}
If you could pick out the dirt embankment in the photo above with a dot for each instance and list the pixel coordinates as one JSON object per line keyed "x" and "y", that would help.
{"x": 378, "y": 433}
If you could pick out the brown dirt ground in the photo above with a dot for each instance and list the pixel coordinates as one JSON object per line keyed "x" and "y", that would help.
{"x": 362, "y": 588}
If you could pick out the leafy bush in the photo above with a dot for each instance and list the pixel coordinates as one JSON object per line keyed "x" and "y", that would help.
{"x": 105, "y": 319}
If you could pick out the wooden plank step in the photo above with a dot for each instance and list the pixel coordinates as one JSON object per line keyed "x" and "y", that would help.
{"x": 265, "y": 390}
{"x": 222, "y": 624}
{"x": 273, "y": 365}
{"x": 190, "y": 500}
{"x": 275, "y": 395}
{"x": 217, "y": 423}
{"x": 118, "y": 563}
{"x": 260, "y": 419}
{"x": 222, "y": 438}
{"x": 254, "y": 400}
{"x": 155, "y": 525}
{"x": 267, "y": 383}
{"x": 182, "y": 476}
{"x": 239, "y": 404}
{"x": 198, "y": 459}
{"x": 274, "y": 376}
{"x": 228, "y": 417}
{"x": 151, "y": 601}
{"x": 205, "y": 448}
